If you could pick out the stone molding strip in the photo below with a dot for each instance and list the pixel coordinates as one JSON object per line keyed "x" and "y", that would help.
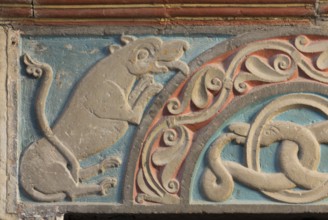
{"x": 148, "y": 12}
{"x": 16, "y": 10}
{"x": 77, "y": 2}
{"x": 174, "y": 10}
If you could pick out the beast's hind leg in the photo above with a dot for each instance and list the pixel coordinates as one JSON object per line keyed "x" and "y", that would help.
{"x": 88, "y": 189}
{"x": 59, "y": 180}
{"x": 109, "y": 162}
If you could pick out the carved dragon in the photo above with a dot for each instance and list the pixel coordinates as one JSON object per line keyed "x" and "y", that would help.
{"x": 96, "y": 117}
{"x": 299, "y": 155}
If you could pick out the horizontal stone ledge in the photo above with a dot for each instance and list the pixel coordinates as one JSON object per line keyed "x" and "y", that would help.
{"x": 147, "y": 9}
{"x": 15, "y": 1}
{"x": 159, "y": 12}
{"x": 77, "y": 2}
{"x": 323, "y": 10}
{"x": 12, "y": 12}
{"x": 160, "y": 22}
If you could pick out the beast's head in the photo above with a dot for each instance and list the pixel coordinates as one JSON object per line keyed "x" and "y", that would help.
{"x": 152, "y": 55}
{"x": 270, "y": 134}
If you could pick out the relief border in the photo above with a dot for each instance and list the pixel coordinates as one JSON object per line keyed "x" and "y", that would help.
{"x": 238, "y": 103}
{"x": 3, "y": 120}
{"x": 12, "y": 118}
{"x": 216, "y": 51}
{"x": 184, "y": 206}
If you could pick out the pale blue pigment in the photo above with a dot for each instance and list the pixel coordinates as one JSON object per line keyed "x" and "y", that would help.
{"x": 268, "y": 156}
{"x": 71, "y": 58}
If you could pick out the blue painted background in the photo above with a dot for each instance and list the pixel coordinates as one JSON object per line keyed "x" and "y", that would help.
{"x": 268, "y": 156}
{"x": 71, "y": 58}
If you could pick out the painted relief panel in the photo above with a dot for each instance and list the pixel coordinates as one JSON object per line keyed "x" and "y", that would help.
{"x": 248, "y": 125}
{"x": 273, "y": 148}
{"x": 82, "y": 100}
{"x": 173, "y": 121}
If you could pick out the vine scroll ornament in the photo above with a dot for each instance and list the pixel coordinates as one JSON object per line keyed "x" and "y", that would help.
{"x": 207, "y": 92}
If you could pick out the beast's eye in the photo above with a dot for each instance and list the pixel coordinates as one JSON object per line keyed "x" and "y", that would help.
{"x": 142, "y": 54}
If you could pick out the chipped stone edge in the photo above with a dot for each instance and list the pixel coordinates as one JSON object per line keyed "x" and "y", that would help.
{"x": 12, "y": 117}
{"x": 3, "y": 121}
{"x": 184, "y": 30}
{"x": 8, "y": 182}
{"x": 31, "y": 208}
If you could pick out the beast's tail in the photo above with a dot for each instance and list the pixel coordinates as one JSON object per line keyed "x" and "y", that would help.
{"x": 43, "y": 70}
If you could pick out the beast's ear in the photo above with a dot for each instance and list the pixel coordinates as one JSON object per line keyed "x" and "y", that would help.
{"x": 127, "y": 39}
{"x": 113, "y": 48}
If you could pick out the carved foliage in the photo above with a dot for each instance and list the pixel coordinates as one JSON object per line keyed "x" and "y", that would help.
{"x": 168, "y": 143}
{"x": 210, "y": 89}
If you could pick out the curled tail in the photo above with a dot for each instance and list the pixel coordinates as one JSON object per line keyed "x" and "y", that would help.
{"x": 43, "y": 70}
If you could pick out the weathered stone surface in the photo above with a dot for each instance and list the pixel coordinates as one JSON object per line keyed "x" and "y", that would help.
{"x": 97, "y": 115}
{"x": 163, "y": 123}
{"x": 3, "y": 119}
{"x": 250, "y": 70}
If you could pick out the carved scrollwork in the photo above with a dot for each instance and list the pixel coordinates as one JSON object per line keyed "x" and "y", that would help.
{"x": 282, "y": 69}
{"x": 299, "y": 155}
{"x": 207, "y": 92}
{"x": 172, "y": 137}
{"x": 175, "y": 143}
{"x": 283, "y": 64}
{"x": 168, "y": 155}
{"x": 206, "y": 80}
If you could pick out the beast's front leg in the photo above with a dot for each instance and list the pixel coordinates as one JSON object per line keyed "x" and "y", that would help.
{"x": 139, "y": 97}
{"x": 109, "y": 162}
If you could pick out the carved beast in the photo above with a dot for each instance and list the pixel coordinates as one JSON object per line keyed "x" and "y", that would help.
{"x": 97, "y": 116}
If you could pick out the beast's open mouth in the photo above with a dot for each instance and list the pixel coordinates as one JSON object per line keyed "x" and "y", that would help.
{"x": 169, "y": 55}
{"x": 177, "y": 64}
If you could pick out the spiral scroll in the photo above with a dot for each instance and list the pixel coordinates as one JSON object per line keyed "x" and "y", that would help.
{"x": 204, "y": 82}
{"x": 207, "y": 92}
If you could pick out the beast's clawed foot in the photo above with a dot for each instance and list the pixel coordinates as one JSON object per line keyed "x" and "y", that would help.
{"x": 154, "y": 88}
{"x": 106, "y": 184}
{"x": 146, "y": 80}
{"x": 149, "y": 83}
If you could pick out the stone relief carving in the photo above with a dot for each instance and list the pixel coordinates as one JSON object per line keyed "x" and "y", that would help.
{"x": 282, "y": 65}
{"x": 207, "y": 92}
{"x": 299, "y": 154}
{"x": 105, "y": 101}
{"x": 174, "y": 139}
